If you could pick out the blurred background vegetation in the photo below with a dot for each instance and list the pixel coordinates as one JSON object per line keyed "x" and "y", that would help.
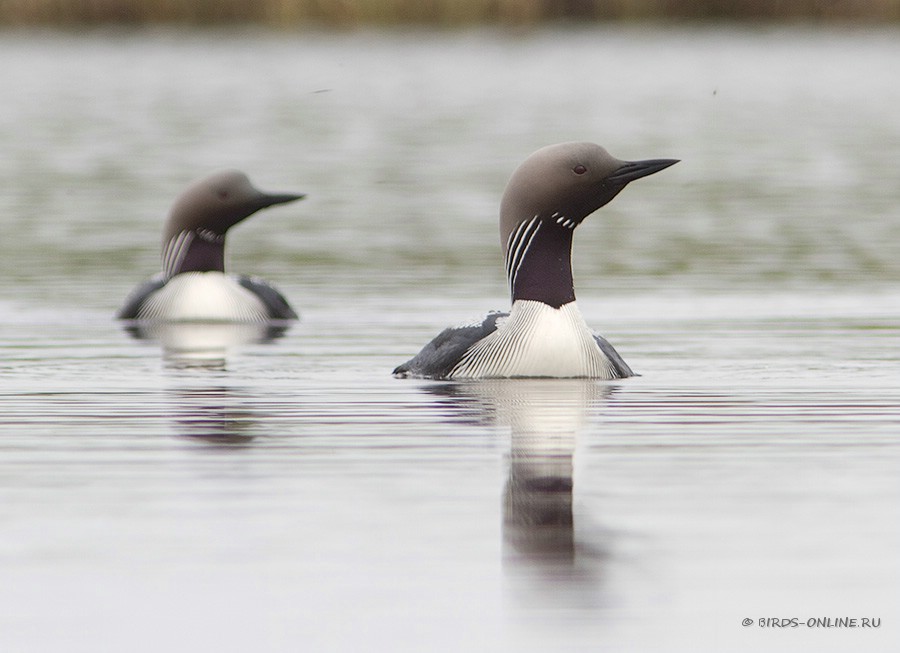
{"x": 349, "y": 13}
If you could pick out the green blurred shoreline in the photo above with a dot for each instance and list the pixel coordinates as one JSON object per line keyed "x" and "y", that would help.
{"x": 350, "y": 13}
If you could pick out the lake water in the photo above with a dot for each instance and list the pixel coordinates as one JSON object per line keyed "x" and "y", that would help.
{"x": 222, "y": 491}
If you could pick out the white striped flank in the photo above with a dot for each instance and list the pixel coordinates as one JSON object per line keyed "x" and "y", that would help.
{"x": 203, "y": 297}
{"x": 517, "y": 247}
{"x": 537, "y": 340}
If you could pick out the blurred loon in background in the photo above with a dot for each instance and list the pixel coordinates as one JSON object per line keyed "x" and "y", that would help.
{"x": 193, "y": 286}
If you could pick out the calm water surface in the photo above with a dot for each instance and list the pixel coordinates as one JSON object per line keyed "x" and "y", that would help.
{"x": 221, "y": 490}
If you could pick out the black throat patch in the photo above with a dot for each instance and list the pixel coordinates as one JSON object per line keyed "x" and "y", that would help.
{"x": 539, "y": 262}
{"x": 194, "y": 251}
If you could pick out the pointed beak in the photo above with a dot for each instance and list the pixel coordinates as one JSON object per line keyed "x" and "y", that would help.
{"x": 636, "y": 169}
{"x": 270, "y": 199}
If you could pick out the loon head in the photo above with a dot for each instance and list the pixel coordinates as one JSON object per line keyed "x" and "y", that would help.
{"x": 549, "y": 195}
{"x": 566, "y": 182}
{"x": 194, "y": 234}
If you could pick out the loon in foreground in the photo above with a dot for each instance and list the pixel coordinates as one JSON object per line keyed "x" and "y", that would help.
{"x": 193, "y": 286}
{"x": 544, "y": 334}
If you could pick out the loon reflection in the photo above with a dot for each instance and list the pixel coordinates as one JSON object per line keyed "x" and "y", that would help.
{"x": 204, "y": 344}
{"x": 545, "y": 418}
{"x": 213, "y": 415}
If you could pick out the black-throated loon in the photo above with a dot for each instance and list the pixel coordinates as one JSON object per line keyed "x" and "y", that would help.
{"x": 193, "y": 286}
{"x": 544, "y": 334}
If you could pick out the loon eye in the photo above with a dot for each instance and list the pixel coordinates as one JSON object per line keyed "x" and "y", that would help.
{"x": 579, "y": 169}
{"x": 223, "y": 194}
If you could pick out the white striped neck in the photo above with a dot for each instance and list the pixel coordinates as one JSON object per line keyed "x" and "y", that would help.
{"x": 194, "y": 250}
{"x": 539, "y": 261}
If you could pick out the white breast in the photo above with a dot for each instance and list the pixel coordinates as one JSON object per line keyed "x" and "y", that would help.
{"x": 537, "y": 340}
{"x": 203, "y": 297}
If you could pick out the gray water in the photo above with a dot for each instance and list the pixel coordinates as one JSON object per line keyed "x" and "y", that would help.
{"x": 224, "y": 491}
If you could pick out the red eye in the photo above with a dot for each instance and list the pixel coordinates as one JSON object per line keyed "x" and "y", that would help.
{"x": 579, "y": 169}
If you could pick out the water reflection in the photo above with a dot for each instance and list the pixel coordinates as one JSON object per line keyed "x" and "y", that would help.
{"x": 540, "y": 540}
{"x": 216, "y": 415}
{"x": 203, "y": 344}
